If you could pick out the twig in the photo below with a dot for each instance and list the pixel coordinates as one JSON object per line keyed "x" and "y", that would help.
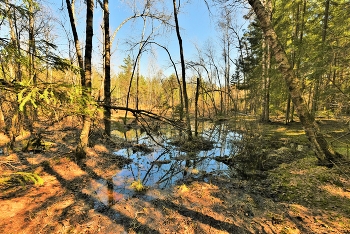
{"x": 8, "y": 163}
{"x": 340, "y": 169}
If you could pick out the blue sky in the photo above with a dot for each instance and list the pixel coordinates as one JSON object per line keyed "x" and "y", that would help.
{"x": 198, "y": 27}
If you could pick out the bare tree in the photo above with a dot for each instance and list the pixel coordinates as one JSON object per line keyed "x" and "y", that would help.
{"x": 227, "y": 42}
{"x": 183, "y": 71}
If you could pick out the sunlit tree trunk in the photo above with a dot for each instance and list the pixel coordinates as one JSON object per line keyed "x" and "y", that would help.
{"x": 17, "y": 118}
{"x": 85, "y": 71}
{"x": 2, "y": 120}
{"x": 198, "y": 84}
{"x": 183, "y": 70}
{"x": 226, "y": 41}
{"x": 266, "y": 82}
{"x": 138, "y": 61}
{"x": 216, "y": 74}
{"x": 107, "y": 62}
{"x": 14, "y": 40}
{"x": 226, "y": 72}
{"x": 322, "y": 148}
{"x": 29, "y": 112}
{"x": 84, "y": 135}
{"x": 31, "y": 44}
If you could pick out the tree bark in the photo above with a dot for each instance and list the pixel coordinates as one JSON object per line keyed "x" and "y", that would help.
{"x": 289, "y": 100}
{"x": 107, "y": 81}
{"x": 31, "y": 43}
{"x": 198, "y": 84}
{"x": 2, "y": 120}
{"x": 84, "y": 135}
{"x": 29, "y": 112}
{"x": 322, "y": 148}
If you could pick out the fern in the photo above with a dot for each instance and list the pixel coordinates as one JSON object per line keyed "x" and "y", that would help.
{"x": 31, "y": 177}
{"x": 63, "y": 96}
{"x": 21, "y": 178}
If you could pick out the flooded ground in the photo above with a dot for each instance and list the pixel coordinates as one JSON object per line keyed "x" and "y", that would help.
{"x": 155, "y": 162}
{"x": 296, "y": 196}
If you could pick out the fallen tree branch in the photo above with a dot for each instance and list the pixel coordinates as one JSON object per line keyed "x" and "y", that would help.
{"x": 149, "y": 114}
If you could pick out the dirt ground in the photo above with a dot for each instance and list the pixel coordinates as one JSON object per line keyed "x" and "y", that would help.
{"x": 294, "y": 197}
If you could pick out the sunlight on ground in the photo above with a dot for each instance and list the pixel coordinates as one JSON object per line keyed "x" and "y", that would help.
{"x": 36, "y": 159}
{"x": 339, "y": 131}
{"x": 297, "y": 197}
{"x": 336, "y": 191}
{"x": 281, "y": 129}
{"x": 101, "y": 148}
{"x": 299, "y": 172}
{"x": 9, "y": 209}
{"x": 289, "y": 132}
{"x": 4, "y": 139}
{"x": 68, "y": 169}
{"x": 295, "y": 133}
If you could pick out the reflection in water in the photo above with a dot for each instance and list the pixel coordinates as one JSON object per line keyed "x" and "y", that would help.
{"x": 165, "y": 166}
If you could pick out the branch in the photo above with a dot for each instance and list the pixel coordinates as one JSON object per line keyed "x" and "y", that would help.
{"x": 149, "y": 114}
{"x": 165, "y": 21}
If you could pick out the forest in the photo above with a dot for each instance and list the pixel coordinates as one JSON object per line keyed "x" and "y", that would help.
{"x": 250, "y": 134}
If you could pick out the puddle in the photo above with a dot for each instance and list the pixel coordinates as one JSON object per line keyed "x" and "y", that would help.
{"x": 163, "y": 167}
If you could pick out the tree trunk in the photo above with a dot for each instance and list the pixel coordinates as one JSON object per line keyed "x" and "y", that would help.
{"x": 31, "y": 43}
{"x": 289, "y": 100}
{"x": 183, "y": 70}
{"x": 2, "y": 120}
{"x": 84, "y": 135}
{"x": 266, "y": 69}
{"x": 297, "y": 41}
{"x": 76, "y": 41}
{"x": 14, "y": 40}
{"x": 198, "y": 84}
{"x": 322, "y": 148}
{"x": 29, "y": 112}
{"x": 266, "y": 61}
{"x": 319, "y": 73}
{"x": 107, "y": 81}
{"x": 139, "y": 60}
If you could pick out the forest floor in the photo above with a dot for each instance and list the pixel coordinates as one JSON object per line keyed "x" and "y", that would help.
{"x": 290, "y": 195}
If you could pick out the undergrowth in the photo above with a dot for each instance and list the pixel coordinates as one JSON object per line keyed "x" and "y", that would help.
{"x": 20, "y": 179}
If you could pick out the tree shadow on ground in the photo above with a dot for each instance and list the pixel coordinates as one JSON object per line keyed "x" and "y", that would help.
{"x": 200, "y": 217}
{"x": 123, "y": 220}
